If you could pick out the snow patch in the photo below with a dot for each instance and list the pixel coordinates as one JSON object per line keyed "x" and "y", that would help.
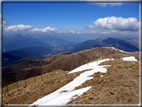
{"x": 67, "y": 93}
{"x": 57, "y": 98}
{"x": 116, "y": 49}
{"x": 92, "y": 65}
{"x": 130, "y": 58}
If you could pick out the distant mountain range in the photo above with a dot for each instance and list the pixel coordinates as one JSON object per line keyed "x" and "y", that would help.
{"x": 105, "y": 42}
{"x": 58, "y": 45}
{"x": 17, "y": 46}
{"x": 36, "y": 51}
{"x": 134, "y": 42}
{"x": 54, "y": 41}
{"x": 17, "y": 41}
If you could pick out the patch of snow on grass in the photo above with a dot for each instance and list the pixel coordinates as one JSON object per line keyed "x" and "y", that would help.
{"x": 116, "y": 49}
{"x": 67, "y": 93}
{"x": 130, "y": 58}
{"x": 57, "y": 98}
{"x": 92, "y": 65}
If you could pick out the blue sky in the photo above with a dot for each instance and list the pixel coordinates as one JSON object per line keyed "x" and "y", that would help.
{"x": 74, "y": 18}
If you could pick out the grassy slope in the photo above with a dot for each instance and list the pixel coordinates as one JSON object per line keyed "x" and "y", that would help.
{"x": 59, "y": 61}
{"x": 120, "y": 85}
{"x": 31, "y": 93}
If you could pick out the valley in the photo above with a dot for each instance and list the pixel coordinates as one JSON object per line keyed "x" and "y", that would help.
{"x": 53, "y": 63}
{"x": 16, "y": 47}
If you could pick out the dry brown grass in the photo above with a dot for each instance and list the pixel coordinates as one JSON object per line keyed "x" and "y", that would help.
{"x": 59, "y": 61}
{"x": 31, "y": 93}
{"x": 120, "y": 85}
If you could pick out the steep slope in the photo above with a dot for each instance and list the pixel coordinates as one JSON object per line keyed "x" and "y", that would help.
{"x": 36, "y": 51}
{"x": 66, "y": 63}
{"x": 104, "y": 42}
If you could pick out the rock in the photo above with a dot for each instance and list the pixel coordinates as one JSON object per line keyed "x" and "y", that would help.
{"x": 127, "y": 85}
{"x": 111, "y": 93}
{"x": 91, "y": 98}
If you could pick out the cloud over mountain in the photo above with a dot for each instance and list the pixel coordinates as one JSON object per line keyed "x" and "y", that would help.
{"x": 71, "y": 31}
{"x": 30, "y": 29}
{"x": 116, "y": 23}
{"x": 43, "y": 29}
{"x": 16, "y": 28}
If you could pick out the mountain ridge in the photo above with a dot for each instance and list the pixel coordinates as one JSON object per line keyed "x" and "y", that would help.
{"x": 67, "y": 62}
{"x": 36, "y": 51}
{"x": 17, "y": 41}
{"x": 105, "y": 42}
{"x": 118, "y": 86}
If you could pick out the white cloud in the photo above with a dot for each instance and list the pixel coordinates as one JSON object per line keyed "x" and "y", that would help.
{"x": 90, "y": 26}
{"x": 71, "y": 31}
{"x": 110, "y": 32}
{"x": 93, "y": 32}
{"x": 74, "y": 32}
{"x": 28, "y": 28}
{"x": 61, "y": 31}
{"x": 116, "y": 23}
{"x": 16, "y": 28}
{"x": 78, "y": 32}
{"x": 43, "y": 30}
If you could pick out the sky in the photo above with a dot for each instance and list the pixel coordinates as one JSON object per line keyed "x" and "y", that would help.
{"x": 115, "y": 19}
